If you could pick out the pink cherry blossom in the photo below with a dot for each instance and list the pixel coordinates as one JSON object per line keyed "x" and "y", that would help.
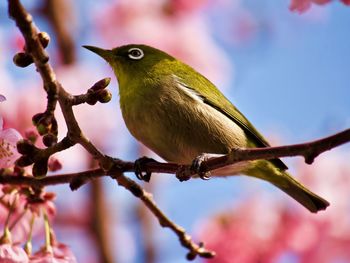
{"x": 44, "y": 204}
{"x": 182, "y": 6}
{"x": 23, "y": 211}
{"x": 61, "y": 253}
{"x": 8, "y": 150}
{"x": 300, "y": 5}
{"x": 19, "y": 218}
{"x": 303, "y": 5}
{"x": 12, "y": 254}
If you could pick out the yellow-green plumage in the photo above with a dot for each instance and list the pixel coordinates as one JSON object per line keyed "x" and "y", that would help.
{"x": 180, "y": 114}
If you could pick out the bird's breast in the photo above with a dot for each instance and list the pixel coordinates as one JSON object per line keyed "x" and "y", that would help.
{"x": 177, "y": 127}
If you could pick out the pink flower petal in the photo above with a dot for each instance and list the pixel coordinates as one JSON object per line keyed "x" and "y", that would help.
{"x": 12, "y": 254}
{"x": 300, "y": 5}
{"x": 321, "y": 2}
{"x": 61, "y": 254}
{"x": 62, "y": 251}
{"x": 44, "y": 257}
{"x": 8, "y": 150}
{"x": 11, "y": 135}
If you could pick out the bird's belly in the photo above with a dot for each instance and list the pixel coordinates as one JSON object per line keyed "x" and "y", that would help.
{"x": 182, "y": 132}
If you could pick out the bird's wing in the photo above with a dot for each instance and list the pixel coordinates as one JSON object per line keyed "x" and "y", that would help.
{"x": 214, "y": 98}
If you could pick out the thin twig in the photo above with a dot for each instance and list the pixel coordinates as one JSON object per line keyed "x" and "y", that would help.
{"x": 164, "y": 221}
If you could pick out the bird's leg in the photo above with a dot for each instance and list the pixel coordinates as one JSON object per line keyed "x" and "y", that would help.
{"x": 139, "y": 166}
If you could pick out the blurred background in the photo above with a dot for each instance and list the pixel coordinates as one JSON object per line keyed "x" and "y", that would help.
{"x": 288, "y": 72}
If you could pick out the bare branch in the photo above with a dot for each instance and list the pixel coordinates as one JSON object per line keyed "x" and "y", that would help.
{"x": 164, "y": 221}
{"x": 309, "y": 150}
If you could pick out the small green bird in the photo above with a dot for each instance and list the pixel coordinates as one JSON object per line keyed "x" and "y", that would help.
{"x": 179, "y": 114}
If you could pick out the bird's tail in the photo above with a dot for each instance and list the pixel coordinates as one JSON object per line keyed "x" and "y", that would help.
{"x": 267, "y": 171}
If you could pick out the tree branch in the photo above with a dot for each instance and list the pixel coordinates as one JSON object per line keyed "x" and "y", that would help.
{"x": 71, "y": 178}
{"x": 164, "y": 221}
{"x": 308, "y": 150}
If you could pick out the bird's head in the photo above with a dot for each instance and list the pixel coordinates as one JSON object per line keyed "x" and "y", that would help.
{"x": 132, "y": 61}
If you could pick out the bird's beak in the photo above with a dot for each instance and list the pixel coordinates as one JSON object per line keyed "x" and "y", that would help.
{"x": 104, "y": 53}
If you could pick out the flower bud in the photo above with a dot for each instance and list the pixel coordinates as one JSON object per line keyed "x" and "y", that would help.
{"x": 49, "y": 139}
{"x": 25, "y": 147}
{"x": 36, "y": 118}
{"x": 101, "y": 84}
{"x": 40, "y": 168}
{"x": 42, "y": 129}
{"x": 22, "y": 59}
{"x": 44, "y": 39}
{"x": 23, "y": 161}
{"x": 104, "y": 96}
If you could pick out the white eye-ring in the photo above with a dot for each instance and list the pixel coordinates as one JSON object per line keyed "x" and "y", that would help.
{"x": 135, "y": 53}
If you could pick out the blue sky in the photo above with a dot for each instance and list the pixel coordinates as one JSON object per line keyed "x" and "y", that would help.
{"x": 296, "y": 79}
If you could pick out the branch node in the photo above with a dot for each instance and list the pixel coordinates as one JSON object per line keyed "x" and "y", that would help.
{"x": 183, "y": 173}
{"x": 309, "y": 159}
{"x": 77, "y": 182}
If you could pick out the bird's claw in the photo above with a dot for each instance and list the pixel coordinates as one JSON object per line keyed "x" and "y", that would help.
{"x": 139, "y": 165}
{"x": 185, "y": 173}
{"x": 197, "y": 166}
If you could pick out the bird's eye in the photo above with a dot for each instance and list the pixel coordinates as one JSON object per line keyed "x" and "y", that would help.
{"x": 135, "y": 53}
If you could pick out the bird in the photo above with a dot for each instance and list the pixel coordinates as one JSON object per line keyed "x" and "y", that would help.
{"x": 179, "y": 114}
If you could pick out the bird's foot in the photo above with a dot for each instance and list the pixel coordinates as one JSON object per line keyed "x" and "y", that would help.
{"x": 185, "y": 173}
{"x": 139, "y": 167}
{"x": 197, "y": 166}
